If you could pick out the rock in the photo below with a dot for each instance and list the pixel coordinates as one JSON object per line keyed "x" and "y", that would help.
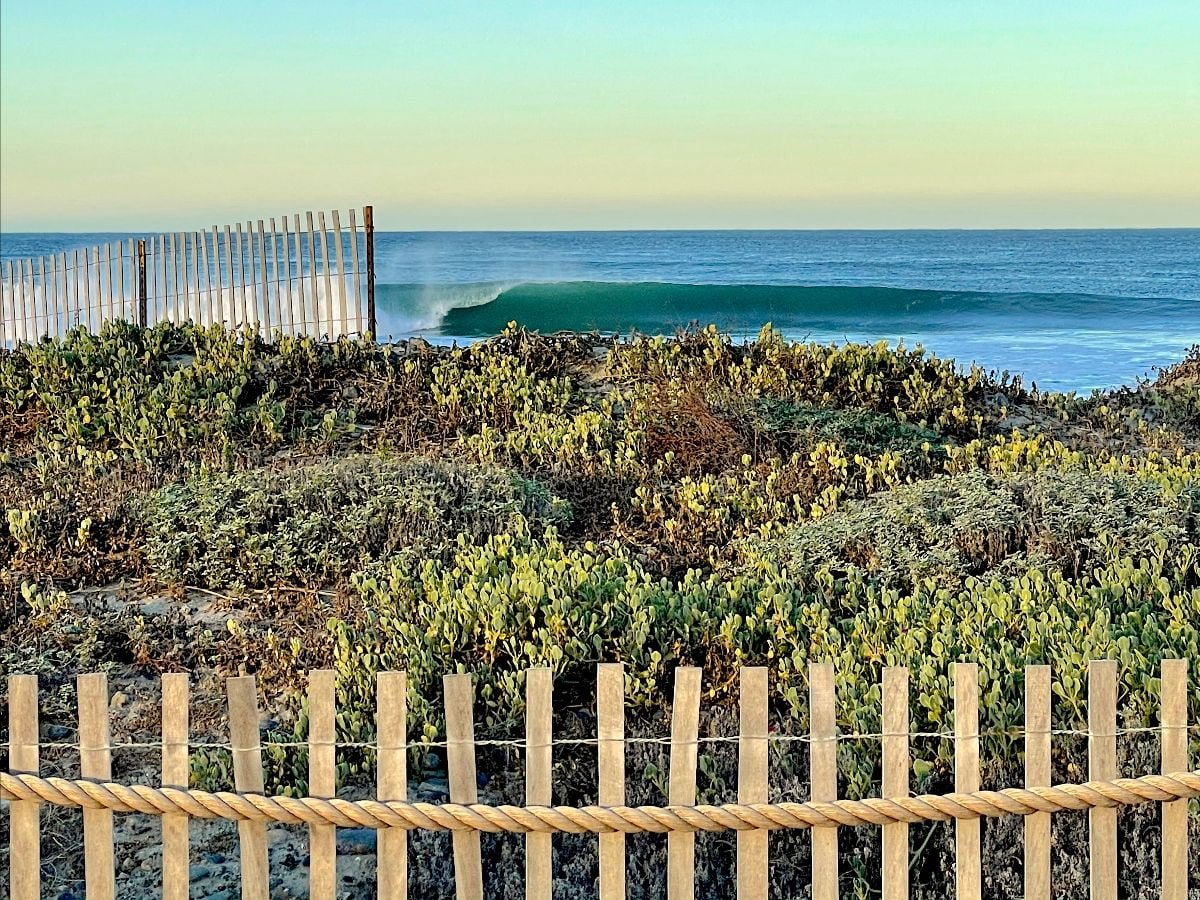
{"x": 195, "y": 873}
{"x": 221, "y": 895}
{"x": 356, "y": 841}
{"x": 57, "y": 732}
{"x": 215, "y": 858}
{"x": 434, "y": 790}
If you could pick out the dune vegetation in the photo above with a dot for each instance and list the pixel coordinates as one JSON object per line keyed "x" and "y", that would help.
{"x": 180, "y": 498}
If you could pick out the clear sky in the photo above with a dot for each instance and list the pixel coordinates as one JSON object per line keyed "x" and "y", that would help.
{"x": 613, "y": 114}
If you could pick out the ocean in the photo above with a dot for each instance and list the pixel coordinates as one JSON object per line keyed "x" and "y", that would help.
{"x": 1070, "y": 310}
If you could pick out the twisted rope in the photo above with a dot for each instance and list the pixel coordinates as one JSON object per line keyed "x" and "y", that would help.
{"x": 598, "y": 819}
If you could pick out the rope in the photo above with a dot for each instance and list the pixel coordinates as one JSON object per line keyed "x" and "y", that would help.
{"x": 598, "y": 819}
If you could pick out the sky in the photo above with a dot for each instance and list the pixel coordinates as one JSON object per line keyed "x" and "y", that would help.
{"x": 602, "y": 114}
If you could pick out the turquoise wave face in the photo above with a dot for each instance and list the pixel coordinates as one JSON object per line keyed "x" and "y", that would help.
{"x": 1063, "y": 341}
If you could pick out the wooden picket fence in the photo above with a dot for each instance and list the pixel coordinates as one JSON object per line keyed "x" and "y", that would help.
{"x": 274, "y": 280}
{"x": 1101, "y": 796}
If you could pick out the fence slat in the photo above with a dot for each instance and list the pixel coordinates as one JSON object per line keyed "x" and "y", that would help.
{"x": 358, "y": 301}
{"x": 248, "y": 779}
{"x": 120, "y": 252}
{"x": 752, "y": 846}
{"x": 24, "y": 835}
{"x": 312, "y": 270}
{"x": 296, "y": 327}
{"x": 967, "y": 863}
{"x": 197, "y": 300}
{"x": 329, "y": 310}
{"x": 460, "y": 767}
{"x": 1174, "y": 759}
{"x": 268, "y": 326}
{"x": 208, "y": 279}
{"x": 896, "y": 767}
{"x": 610, "y": 735}
{"x": 275, "y": 277}
{"x": 685, "y": 722}
{"x": 8, "y": 301}
{"x": 1037, "y": 774}
{"x": 175, "y": 774}
{"x": 343, "y": 306}
{"x": 95, "y": 764}
{"x": 60, "y": 325}
{"x": 369, "y": 237}
{"x": 1102, "y": 766}
{"x": 45, "y": 297}
{"x": 391, "y": 718}
{"x": 539, "y": 770}
{"x": 69, "y": 321}
{"x": 322, "y": 774}
{"x": 232, "y": 311}
{"x": 822, "y": 713}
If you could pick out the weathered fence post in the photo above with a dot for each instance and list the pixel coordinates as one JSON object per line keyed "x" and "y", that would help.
{"x": 753, "y": 760}
{"x": 823, "y": 777}
{"x": 369, "y": 227}
{"x": 685, "y": 723}
{"x": 24, "y": 853}
{"x": 95, "y": 764}
{"x": 1173, "y": 719}
{"x": 242, "y": 692}
{"x": 539, "y": 773}
{"x": 175, "y": 727}
{"x": 610, "y": 753}
{"x": 897, "y": 764}
{"x": 1037, "y": 774}
{"x": 1102, "y": 766}
{"x": 141, "y": 284}
{"x": 464, "y": 788}
{"x": 391, "y": 719}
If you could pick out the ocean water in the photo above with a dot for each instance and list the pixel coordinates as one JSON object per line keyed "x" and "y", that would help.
{"x": 1071, "y": 310}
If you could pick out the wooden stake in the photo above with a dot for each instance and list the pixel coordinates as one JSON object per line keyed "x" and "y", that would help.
{"x": 248, "y": 779}
{"x": 822, "y": 713}
{"x": 24, "y": 835}
{"x": 95, "y": 764}
{"x": 297, "y": 327}
{"x": 610, "y": 727}
{"x": 539, "y": 769}
{"x": 896, "y": 768}
{"x": 1102, "y": 766}
{"x": 267, "y": 326}
{"x": 45, "y": 298}
{"x": 460, "y": 765}
{"x": 175, "y": 773}
{"x": 312, "y": 272}
{"x": 1037, "y": 774}
{"x": 753, "y": 761}
{"x": 1174, "y": 759}
{"x": 392, "y": 720}
{"x": 685, "y": 721}
{"x": 343, "y": 307}
{"x": 322, "y": 776}
{"x": 358, "y": 299}
{"x": 967, "y": 863}
{"x": 275, "y": 277}
{"x": 369, "y": 228}
{"x": 197, "y": 302}
{"x": 325, "y": 270}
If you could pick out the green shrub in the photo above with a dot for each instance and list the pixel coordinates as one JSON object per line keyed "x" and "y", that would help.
{"x": 945, "y": 530}
{"x": 315, "y": 524}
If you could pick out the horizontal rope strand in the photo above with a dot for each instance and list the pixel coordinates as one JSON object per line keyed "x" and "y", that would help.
{"x": 597, "y": 819}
